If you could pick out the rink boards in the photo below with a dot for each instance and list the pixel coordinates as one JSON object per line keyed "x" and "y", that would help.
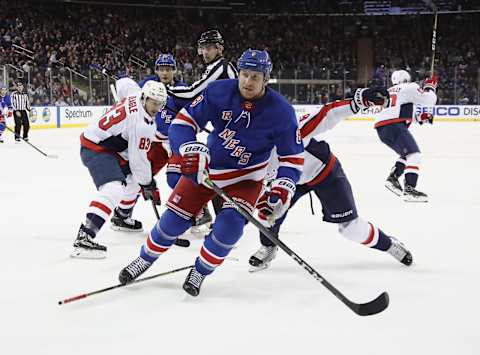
{"x": 80, "y": 116}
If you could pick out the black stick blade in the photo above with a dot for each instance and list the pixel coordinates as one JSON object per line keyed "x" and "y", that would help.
{"x": 185, "y": 243}
{"x": 373, "y": 307}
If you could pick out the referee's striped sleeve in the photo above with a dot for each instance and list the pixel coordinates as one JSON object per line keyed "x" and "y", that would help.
{"x": 190, "y": 92}
{"x": 231, "y": 71}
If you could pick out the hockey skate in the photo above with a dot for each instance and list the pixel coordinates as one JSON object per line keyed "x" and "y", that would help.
{"x": 202, "y": 223}
{"x": 399, "y": 252}
{"x": 393, "y": 184}
{"x": 133, "y": 270}
{"x": 262, "y": 258}
{"x": 410, "y": 194}
{"x": 85, "y": 248}
{"x": 193, "y": 282}
{"x": 128, "y": 224}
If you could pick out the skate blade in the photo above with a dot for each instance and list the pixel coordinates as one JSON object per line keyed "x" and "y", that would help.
{"x": 410, "y": 199}
{"x": 262, "y": 267}
{"x": 80, "y": 253}
{"x": 123, "y": 229}
{"x": 393, "y": 189}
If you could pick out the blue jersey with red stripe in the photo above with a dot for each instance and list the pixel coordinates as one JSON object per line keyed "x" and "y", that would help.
{"x": 164, "y": 117}
{"x": 244, "y": 132}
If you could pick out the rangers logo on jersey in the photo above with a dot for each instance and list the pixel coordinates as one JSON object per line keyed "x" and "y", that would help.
{"x": 226, "y": 115}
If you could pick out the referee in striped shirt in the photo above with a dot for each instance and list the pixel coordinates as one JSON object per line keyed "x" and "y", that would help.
{"x": 21, "y": 104}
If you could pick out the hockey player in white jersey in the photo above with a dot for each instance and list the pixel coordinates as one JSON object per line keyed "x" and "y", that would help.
{"x": 323, "y": 175}
{"x": 114, "y": 149}
{"x": 392, "y": 127}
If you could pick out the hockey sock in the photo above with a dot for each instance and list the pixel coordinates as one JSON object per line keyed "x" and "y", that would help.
{"x": 383, "y": 241}
{"x": 124, "y": 213}
{"x": 94, "y": 223}
{"x": 101, "y": 207}
{"x": 412, "y": 169}
{"x": 365, "y": 233}
{"x": 227, "y": 230}
{"x": 163, "y": 235}
{"x": 399, "y": 167}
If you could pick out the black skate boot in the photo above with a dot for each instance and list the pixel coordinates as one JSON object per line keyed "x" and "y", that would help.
{"x": 262, "y": 258}
{"x": 202, "y": 223}
{"x": 410, "y": 194}
{"x": 125, "y": 224}
{"x": 399, "y": 252}
{"x": 393, "y": 184}
{"x": 193, "y": 282}
{"x": 85, "y": 248}
{"x": 133, "y": 270}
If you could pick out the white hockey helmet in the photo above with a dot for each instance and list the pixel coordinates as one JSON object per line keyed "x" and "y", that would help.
{"x": 155, "y": 90}
{"x": 400, "y": 77}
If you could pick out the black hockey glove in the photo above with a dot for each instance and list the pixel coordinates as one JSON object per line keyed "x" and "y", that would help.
{"x": 365, "y": 98}
{"x": 150, "y": 192}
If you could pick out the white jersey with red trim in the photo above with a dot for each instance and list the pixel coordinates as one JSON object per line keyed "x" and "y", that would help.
{"x": 312, "y": 125}
{"x": 126, "y": 129}
{"x": 404, "y": 98}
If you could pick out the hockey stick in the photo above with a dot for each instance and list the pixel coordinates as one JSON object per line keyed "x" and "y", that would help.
{"x": 54, "y": 156}
{"x": 363, "y": 309}
{"x": 434, "y": 42}
{"x": 85, "y": 295}
{"x": 180, "y": 242}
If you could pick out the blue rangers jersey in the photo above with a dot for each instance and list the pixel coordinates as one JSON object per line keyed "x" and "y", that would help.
{"x": 6, "y": 106}
{"x": 244, "y": 133}
{"x": 164, "y": 117}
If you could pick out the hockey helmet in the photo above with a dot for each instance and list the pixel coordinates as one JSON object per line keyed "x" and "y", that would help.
{"x": 156, "y": 91}
{"x": 256, "y": 60}
{"x": 400, "y": 76}
{"x": 166, "y": 60}
{"x": 210, "y": 37}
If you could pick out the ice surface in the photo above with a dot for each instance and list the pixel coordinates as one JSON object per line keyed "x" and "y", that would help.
{"x": 283, "y": 310}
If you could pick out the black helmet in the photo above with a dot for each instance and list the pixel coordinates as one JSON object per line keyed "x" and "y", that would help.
{"x": 210, "y": 37}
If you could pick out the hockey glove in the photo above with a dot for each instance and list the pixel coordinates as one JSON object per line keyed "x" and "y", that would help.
{"x": 195, "y": 159}
{"x": 365, "y": 98}
{"x": 424, "y": 117}
{"x": 273, "y": 204}
{"x": 431, "y": 83}
{"x": 151, "y": 192}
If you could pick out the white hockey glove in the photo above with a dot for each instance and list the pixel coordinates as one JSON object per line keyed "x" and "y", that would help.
{"x": 273, "y": 204}
{"x": 365, "y": 98}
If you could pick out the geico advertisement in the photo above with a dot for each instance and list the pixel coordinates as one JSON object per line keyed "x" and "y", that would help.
{"x": 468, "y": 112}
{"x": 80, "y": 115}
{"x": 440, "y": 112}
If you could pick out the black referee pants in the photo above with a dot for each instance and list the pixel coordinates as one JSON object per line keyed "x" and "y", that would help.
{"x": 21, "y": 120}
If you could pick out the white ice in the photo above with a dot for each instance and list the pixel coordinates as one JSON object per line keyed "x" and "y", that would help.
{"x": 433, "y": 304}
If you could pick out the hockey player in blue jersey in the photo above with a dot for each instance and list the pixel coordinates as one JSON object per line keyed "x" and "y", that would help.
{"x": 6, "y": 109}
{"x": 249, "y": 120}
{"x": 324, "y": 176}
{"x": 165, "y": 69}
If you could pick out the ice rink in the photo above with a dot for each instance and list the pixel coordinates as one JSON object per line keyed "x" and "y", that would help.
{"x": 433, "y": 304}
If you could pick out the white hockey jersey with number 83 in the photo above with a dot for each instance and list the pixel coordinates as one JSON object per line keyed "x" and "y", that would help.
{"x": 128, "y": 130}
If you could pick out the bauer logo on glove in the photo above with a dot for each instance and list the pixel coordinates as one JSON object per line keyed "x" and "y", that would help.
{"x": 273, "y": 204}
{"x": 195, "y": 160}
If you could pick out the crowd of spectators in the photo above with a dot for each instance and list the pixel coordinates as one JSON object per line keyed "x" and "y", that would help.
{"x": 72, "y": 43}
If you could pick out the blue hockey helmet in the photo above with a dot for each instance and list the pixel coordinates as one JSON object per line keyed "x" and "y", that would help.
{"x": 166, "y": 60}
{"x": 256, "y": 60}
